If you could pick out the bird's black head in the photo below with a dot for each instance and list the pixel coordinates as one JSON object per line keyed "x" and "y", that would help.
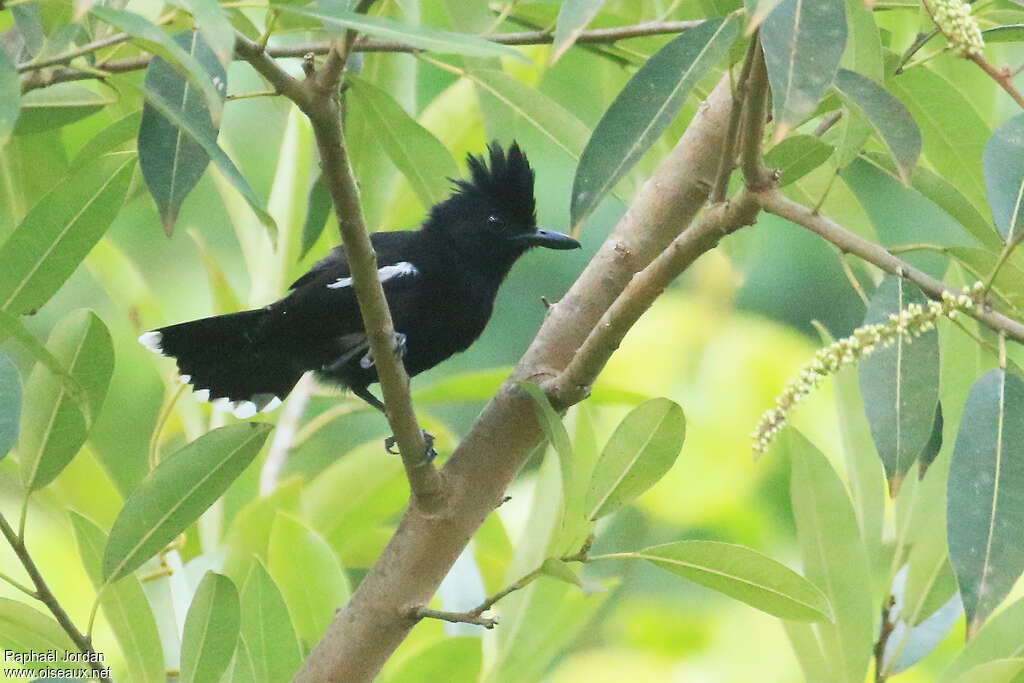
{"x": 492, "y": 214}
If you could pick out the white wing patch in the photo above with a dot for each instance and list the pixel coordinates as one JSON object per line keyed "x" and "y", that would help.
{"x": 385, "y": 273}
{"x": 260, "y": 403}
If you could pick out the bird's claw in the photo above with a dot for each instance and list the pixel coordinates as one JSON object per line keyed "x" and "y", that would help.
{"x": 391, "y": 441}
{"x": 366, "y": 362}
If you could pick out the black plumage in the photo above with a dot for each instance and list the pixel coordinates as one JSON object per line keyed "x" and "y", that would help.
{"x": 440, "y": 282}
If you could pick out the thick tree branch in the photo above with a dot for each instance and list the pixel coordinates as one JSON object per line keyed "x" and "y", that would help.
{"x": 423, "y": 549}
{"x": 848, "y": 242}
{"x": 46, "y": 596}
{"x": 37, "y": 75}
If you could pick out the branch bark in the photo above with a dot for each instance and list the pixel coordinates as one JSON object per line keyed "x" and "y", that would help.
{"x": 381, "y": 612}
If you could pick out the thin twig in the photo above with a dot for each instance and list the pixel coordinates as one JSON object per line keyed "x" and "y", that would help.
{"x": 46, "y": 596}
{"x": 418, "y": 613}
{"x": 831, "y": 120}
{"x": 920, "y": 41}
{"x": 1001, "y": 75}
{"x": 885, "y": 630}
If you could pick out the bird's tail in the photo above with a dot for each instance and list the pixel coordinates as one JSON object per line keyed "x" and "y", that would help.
{"x": 228, "y": 359}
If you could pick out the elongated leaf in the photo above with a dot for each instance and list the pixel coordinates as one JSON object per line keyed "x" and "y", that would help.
{"x": 834, "y": 558}
{"x": 171, "y": 161}
{"x": 1004, "y": 178}
{"x": 266, "y": 629}
{"x": 125, "y": 606}
{"x": 644, "y": 109}
{"x": 12, "y": 325}
{"x": 451, "y": 659}
{"x": 900, "y": 384}
{"x": 53, "y": 425}
{"x": 421, "y": 157}
{"x": 573, "y": 18}
{"x": 995, "y": 671}
{"x": 211, "y": 630}
{"x": 24, "y": 631}
{"x": 58, "y": 105}
{"x": 907, "y": 645}
{"x": 59, "y": 231}
{"x": 10, "y": 404}
{"x": 887, "y": 115}
{"x": 212, "y": 21}
{"x": 213, "y": 150}
{"x": 336, "y": 14}
{"x": 225, "y": 298}
{"x": 743, "y": 574}
{"x": 113, "y": 138}
{"x": 320, "y": 205}
{"x": 999, "y": 638}
{"x": 757, "y": 12}
{"x": 985, "y": 507}
{"x": 180, "y": 489}
{"x": 10, "y": 96}
{"x": 159, "y": 42}
{"x": 797, "y": 156}
{"x": 557, "y": 436}
{"x": 643, "y": 448}
{"x": 1014, "y": 33}
{"x": 803, "y": 41}
{"x": 308, "y": 575}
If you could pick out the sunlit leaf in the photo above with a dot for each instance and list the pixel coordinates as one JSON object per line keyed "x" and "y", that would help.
{"x": 225, "y": 298}
{"x": 10, "y": 404}
{"x": 644, "y": 109}
{"x": 177, "y": 492}
{"x": 834, "y": 558}
{"x": 985, "y": 510}
{"x": 743, "y": 574}
{"x": 999, "y": 638}
{"x": 451, "y": 659}
{"x": 414, "y": 150}
{"x": 54, "y": 425}
{"x": 211, "y": 630}
{"x": 573, "y": 17}
{"x": 125, "y": 606}
{"x": 336, "y": 13}
{"x": 267, "y": 630}
{"x": 308, "y": 575}
{"x": 58, "y": 105}
{"x": 643, "y": 448}
{"x": 1013, "y": 33}
{"x": 113, "y": 138}
{"x": 554, "y": 430}
{"x": 10, "y": 96}
{"x": 24, "y": 630}
{"x": 889, "y": 117}
{"x": 995, "y": 671}
{"x": 171, "y": 161}
{"x": 797, "y": 156}
{"x": 1004, "y": 178}
{"x": 55, "y": 236}
{"x": 900, "y": 384}
{"x": 803, "y": 41}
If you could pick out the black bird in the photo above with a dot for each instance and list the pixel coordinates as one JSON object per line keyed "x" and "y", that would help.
{"x": 440, "y": 282}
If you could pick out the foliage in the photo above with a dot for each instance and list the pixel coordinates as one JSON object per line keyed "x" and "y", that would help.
{"x": 174, "y": 538}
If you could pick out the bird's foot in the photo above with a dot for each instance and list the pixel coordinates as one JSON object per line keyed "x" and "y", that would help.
{"x": 366, "y": 362}
{"x": 389, "y": 444}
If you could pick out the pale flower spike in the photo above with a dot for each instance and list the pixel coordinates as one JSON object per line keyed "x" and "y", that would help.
{"x": 953, "y": 17}
{"x": 911, "y": 322}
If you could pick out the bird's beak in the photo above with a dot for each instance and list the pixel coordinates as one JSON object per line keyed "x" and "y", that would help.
{"x": 548, "y": 239}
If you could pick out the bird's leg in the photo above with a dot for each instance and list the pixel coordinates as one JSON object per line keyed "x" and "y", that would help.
{"x": 389, "y": 443}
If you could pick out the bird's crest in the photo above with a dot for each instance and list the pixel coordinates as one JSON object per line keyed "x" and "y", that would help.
{"x": 505, "y": 184}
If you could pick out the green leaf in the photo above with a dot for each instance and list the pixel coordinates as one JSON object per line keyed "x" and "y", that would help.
{"x": 999, "y": 638}
{"x": 797, "y": 156}
{"x": 177, "y": 492}
{"x": 211, "y": 630}
{"x": 985, "y": 509}
{"x": 113, "y": 138}
{"x": 1013, "y": 33}
{"x": 644, "y": 109}
{"x": 887, "y": 115}
{"x": 550, "y": 118}
{"x": 803, "y": 41}
{"x": 757, "y": 12}
{"x": 1004, "y": 178}
{"x": 549, "y": 421}
{"x": 53, "y": 425}
{"x": 900, "y": 384}
{"x": 59, "y": 231}
{"x": 225, "y": 299}
{"x": 834, "y": 558}
{"x": 13, "y": 326}
{"x": 10, "y": 96}
{"x": 573, "y": 18}
{"x": 336, "y": 14}
{"x": 864, "y": 43}
{"x": 995, "y": 671}
{"x": 216, "y": 154}
{"x": 308, "y": 575}
{"x": 24, "y": 630}
{"x": 10, "y": 404}
{"x": 125, "y": 606}
{"x": 414, "y": 150}
{"x": 451, "y": 659}
{"x": 58, "y": 105}
{"x": 643, "y": 448}
{"x": 171, "y": 161}
{"x": 266, "y": 629}
{"x": 320, "y": 205}
{"x": 212, "y": 21}
{"x": 930, "y": 579}
{"x": 154, "y": 39}
{"x": 557, "y": 569}
{"x": 934, "y": 445}
{"x": 743, "y": 574}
